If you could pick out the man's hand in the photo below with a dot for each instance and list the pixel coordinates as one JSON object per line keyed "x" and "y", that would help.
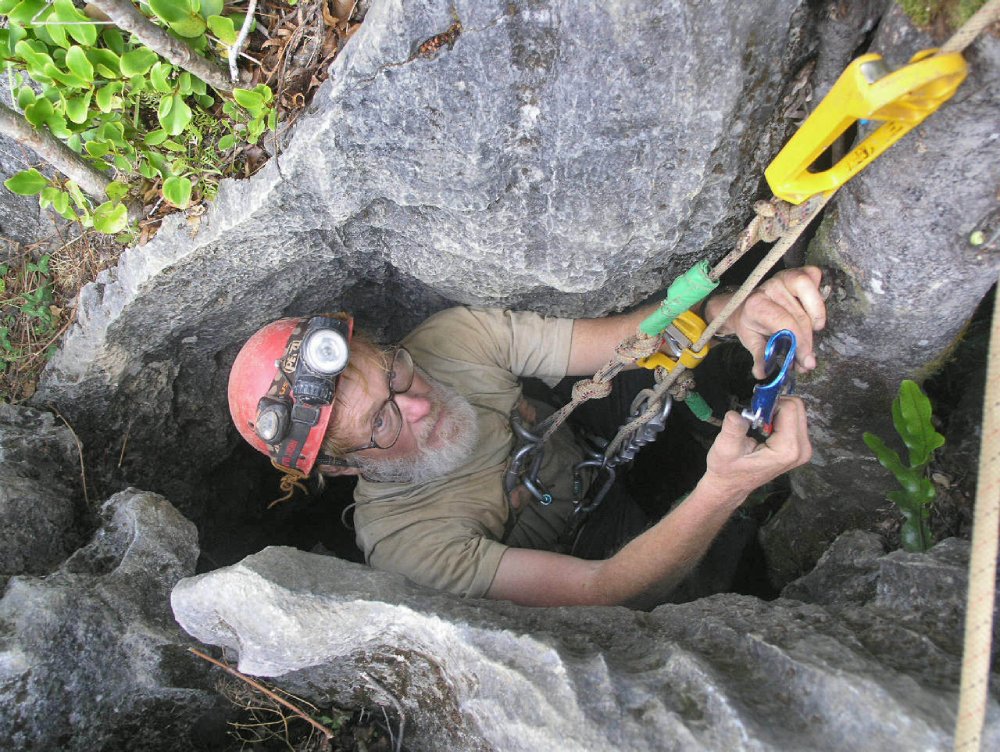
{"x": 789, "y": 300}
{"x": 737, "y": 464}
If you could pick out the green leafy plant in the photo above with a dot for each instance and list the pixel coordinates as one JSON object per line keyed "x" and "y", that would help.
{"x": 123, "y": 108}
{"x": 911, "y": 416}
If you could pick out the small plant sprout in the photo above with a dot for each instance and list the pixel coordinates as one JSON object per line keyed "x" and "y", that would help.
{"x": 911, "y": 416}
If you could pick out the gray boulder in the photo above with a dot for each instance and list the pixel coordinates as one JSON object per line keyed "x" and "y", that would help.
{"x": 877, "y": 668}
{"x": 41, "y": 502}
{"x": 90, "y": 658}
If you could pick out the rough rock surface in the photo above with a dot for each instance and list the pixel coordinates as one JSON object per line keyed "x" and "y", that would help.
{"x": 875, "y": 667}
{"x": 907, "y": 283}
{"x": 90, "y": 658}
{"x": 559, "y": 156}
{"x": 40, "y": 492}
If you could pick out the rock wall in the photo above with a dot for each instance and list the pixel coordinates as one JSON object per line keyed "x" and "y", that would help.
{"x": 90, "y": 658}
{"x": 867, "y": 659}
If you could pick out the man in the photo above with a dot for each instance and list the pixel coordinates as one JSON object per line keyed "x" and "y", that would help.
{"x": 426, "y": 428}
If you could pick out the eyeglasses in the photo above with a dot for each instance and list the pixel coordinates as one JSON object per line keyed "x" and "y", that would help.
{"x": 388, "y": 421}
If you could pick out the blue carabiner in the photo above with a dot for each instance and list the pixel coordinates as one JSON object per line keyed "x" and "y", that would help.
{"x": 779, "y": 357}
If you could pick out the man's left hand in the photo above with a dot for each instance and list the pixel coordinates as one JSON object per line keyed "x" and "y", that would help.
{"x": 791, "y": 300}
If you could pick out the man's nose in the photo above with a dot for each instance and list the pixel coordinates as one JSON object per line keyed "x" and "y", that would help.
{"x": 412, "y": 406}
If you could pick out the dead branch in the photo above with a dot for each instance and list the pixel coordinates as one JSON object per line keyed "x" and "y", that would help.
{"x": 79, "y": 449}
{"x": 264, "y": 690}
{"x": 55, "y": 152}
{"x": 128, "y": 18}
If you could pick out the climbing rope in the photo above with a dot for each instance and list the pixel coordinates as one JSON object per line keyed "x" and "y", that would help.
{"x": 975, "y": 680}
{"x": 976, "y": 651}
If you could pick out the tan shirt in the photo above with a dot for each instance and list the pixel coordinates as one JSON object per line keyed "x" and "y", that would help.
{"x": 450, "y": 533}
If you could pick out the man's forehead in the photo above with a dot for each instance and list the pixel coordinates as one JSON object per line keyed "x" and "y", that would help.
{"x": 358, "y": 392}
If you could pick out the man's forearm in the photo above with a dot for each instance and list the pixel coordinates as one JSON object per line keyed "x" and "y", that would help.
{"x": 653, "y": 564}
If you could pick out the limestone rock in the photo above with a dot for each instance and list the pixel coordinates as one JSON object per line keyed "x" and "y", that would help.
{"x": 722, "y": 673}
{"x": 40, "y": 491}
{"x": 90, "y": 658}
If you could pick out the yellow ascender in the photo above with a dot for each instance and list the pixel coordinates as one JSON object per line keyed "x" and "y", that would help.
{"x": 685, "y": 330}
{"x": 867, "y": 90}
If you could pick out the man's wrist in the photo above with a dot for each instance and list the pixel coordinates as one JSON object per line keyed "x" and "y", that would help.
{"x": 714, "y": 304}
{"x": 722, "y": 490}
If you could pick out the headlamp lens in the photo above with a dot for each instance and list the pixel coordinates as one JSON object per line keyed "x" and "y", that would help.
{"x": 325, "y": 351}
{"x": 269, "y": 424}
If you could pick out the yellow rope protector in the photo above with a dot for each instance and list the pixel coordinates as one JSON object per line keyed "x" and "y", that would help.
{"x": 679, "y": 336}
{"x": 865, "y": 91}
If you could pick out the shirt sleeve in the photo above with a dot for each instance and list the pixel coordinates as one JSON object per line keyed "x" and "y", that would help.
{"x": 521, "y": 343}
{"x": 449, "y": 557}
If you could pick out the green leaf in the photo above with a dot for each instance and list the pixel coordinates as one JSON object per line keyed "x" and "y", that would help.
{"x": 105, "y": 62}
{"x": 61, "y": 202}
{"x": 110, "y": 217}
{"x": 888, "y": 458}
{"x": 174, "y": 114}
{"x": 911, "y": 414}
{"x": 173, "y": 146}
{"x": 179, "y": 16}
{"x": 77, "y": 195}
{"x": 57, "y": 124}
{"x": 250, "y": 100}
{"x": 114, "y": 40}
{"x": 137, "y": 62}
{"x": 121, "y": 163}
{"x": 184, "y": 84}
{"x": 25, "y": 96}
{"x": 107, "y": 96}
{"x": 116, "y": 190}
{"x": 153, "y": 138}
{"x": 159, "y": 75}
{"x": 26, "y": 10}
{"x": 227, "y": 142}
{"x": 56, "y": 30}
{"x": 6, "y": 5}
{"x": 77, "y": 107}
{"x": 26, "y": 182}
{"x": 38, "y": 112}
{"x": 75, "y": 143}
{"x": 206, "y": 100}
{"x": 33, "y": 53}
{"x": 78, "y": 25}
{"x": 97, "y": 149}
{"x": 169, "y": 11}
{"x": 223, "y": 28}
{"x": 191, "y": 27}
{"x": 177, "y": 191}
{"x": 76, "y": 61}
{"x": 211, "y": 7}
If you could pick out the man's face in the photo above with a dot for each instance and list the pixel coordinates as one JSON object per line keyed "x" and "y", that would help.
{"x": 439, "y": 429}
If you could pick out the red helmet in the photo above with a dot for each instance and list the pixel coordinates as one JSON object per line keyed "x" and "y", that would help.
{"x": 282, "y": 385}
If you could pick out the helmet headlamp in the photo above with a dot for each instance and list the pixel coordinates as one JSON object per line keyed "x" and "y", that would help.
{"x": 300, "y": 398}
{"x": 325, "y": 350}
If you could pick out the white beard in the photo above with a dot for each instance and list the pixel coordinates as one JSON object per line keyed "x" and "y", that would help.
{"x": 457, "y": 435}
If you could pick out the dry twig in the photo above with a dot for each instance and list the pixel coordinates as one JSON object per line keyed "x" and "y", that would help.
{"x": 79, "y": 449}
{"x": 265, "y": 691}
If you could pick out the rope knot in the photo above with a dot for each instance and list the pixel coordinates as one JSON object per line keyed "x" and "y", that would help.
{"x": 588, "y": 389}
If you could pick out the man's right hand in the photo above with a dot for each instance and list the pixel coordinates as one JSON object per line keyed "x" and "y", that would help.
{"x": 737, "y": 464}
